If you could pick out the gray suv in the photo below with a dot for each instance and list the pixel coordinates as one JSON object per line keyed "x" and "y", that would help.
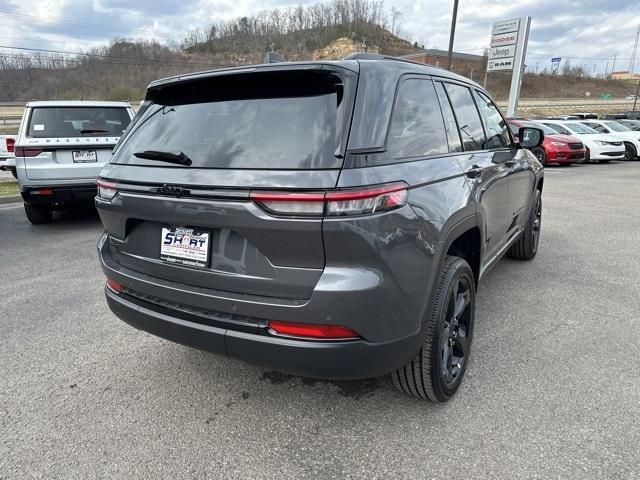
{"x": 61, "y": 147}
{"x": 326, "y": 219}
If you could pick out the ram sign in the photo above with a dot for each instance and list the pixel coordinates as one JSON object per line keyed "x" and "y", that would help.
{"x": 500, "y": 64}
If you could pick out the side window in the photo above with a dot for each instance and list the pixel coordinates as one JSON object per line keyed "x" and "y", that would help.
{"x": 597, "y": 127}
{"x": 450, "y": 125}
{"x": 496, "y": 127}
{"x": 559, "y": 128}
{"x": 416, "y": 128}
{"x": 469, "y": 122}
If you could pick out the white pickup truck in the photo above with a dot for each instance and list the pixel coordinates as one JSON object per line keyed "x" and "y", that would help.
{"x": 7, "y": 158}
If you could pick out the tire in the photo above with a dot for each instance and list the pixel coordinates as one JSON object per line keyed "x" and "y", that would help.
{"x": 526, "y": 246}
{"x": 432, "y": 374}
{"x": 587, "y": 155}
{"x": 630, "y": 152}
{"x": 38, "y": 214}
{"x": 541, "y": 155}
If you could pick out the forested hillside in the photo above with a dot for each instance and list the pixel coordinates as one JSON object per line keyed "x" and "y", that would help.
{"x": 123, "y": 69}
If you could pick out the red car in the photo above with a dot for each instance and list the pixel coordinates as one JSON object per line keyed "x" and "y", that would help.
{"x": 556, "y": 148}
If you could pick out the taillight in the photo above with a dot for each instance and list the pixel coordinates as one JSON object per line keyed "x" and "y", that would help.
{"x": 360, "y": 201}
{"x": 106, "y": 190}
{"x": 10, "y": 143}
{"x": 308, "y": 330}
{"x": 367, "y": 200}
{"x": 28, "y": 151}
{"x": 291, "y": 203}
{"x": 114, "y": 286}
{"x": 42, "y": 191}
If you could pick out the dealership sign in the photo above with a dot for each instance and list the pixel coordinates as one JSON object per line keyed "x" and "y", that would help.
{"x": 502, "y": 52}
{"x": 504, "y": 39}
{"x": 508, "y": 47}
{"x": 500, "y": 64}
{"x": 506, "y": 26}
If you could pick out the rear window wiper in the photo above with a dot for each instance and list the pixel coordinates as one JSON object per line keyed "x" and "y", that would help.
{"x": 179, "y": 158}
{"x": 94, "y": 130}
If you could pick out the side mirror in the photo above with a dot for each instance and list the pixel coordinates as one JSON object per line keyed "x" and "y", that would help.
{"x": 530, "y": 137}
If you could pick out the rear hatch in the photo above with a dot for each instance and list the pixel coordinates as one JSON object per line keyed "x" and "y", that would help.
{"x": 71, "y": 143}
{"x": 193, "y": 156}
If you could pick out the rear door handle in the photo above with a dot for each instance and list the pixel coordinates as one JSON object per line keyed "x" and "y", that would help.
{"x": 475, "y": 172}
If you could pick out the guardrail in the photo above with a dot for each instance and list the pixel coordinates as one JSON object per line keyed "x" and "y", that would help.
{"x": 10, "y": 119}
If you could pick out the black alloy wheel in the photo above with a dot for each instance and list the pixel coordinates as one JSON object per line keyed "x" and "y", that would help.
{"x": 455, "y": 335}
{"x": 436, "y": 371}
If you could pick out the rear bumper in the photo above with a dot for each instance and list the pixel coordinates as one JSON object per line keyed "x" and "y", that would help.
{"x": 63, "y": 195}
{"x": 319, "y": 359}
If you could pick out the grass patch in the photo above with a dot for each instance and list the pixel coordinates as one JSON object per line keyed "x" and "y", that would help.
{"x": 9, "y": 129}
{"x": 9, "y": 188}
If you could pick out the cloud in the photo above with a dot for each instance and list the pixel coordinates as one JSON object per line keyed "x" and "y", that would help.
{"x": 587, "y": 31}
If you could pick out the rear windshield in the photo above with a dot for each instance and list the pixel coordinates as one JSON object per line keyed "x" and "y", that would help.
{"x": 65, "y": 122}
{"x": 255, "y": 121}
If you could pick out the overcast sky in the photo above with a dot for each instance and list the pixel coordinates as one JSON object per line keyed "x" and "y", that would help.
{"x": 588, "y": 32}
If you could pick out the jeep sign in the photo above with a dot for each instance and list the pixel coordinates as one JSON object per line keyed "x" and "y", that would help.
{"x": 502, "y": 52}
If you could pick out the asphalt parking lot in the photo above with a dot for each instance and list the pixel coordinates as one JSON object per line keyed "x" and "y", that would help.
{"x": 552, "y": 391}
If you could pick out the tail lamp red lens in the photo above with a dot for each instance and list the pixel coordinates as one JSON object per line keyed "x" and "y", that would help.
{"x": 114, "y": 286}
{"x": 308, "y": 330}
{"x": 42, "y": 191}
{"x": 106, "y": 190}
{"x": 28, "y": 151}
{"x": 361, "y": 201}
{"x": 10, "y": 142}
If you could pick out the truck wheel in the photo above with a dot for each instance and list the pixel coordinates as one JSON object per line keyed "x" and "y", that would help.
{"x": 526, "y": 246}
{"x": 436, "y": 372}
{"x": 38, "y": 214}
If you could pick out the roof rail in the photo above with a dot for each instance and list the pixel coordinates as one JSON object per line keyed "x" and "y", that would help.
{"x": 379, "y": 56}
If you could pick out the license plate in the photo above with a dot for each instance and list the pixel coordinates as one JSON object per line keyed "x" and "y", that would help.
{"x": 185, "y": 246}
{"x": 84, "y": 156}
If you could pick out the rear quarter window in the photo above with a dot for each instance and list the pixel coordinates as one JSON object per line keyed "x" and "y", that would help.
{"x": 417, "y": 127}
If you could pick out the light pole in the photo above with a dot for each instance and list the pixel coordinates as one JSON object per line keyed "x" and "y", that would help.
{"x": 453, "y": 33}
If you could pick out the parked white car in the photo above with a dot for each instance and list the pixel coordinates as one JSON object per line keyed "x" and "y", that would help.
{"x": 600, "y": 148}
{"x": 61, "y": 147}
{"x": 630, "y": 138}
{"x": 7, "y": 158}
